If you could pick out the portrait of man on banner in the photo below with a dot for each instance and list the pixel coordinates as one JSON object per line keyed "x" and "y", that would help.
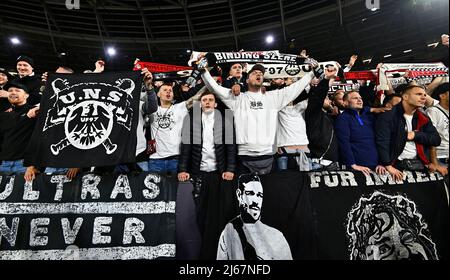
{"x": 246, "y": 237}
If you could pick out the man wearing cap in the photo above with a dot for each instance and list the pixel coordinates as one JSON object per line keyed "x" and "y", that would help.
{"x": 17, "y": 127}
{"x": 256, "y": 117}
{"x": 26, "y": 77}
{"x": 440, "y": 118}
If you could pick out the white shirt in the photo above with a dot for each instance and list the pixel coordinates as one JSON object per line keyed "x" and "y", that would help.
{"x": 167, "y": 124}
{"x": 440, "y": 121}
{"x": 410, "y": 151}
{"x": 209, "y": 163}
{"x": 291, "y": 126}
{"x": 256, "y": 114}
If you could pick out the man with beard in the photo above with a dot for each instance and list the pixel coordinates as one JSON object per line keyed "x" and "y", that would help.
{"x": 17, "y": 127}
{"x": 256, "y": 117}
{"x": 246, "y": 237}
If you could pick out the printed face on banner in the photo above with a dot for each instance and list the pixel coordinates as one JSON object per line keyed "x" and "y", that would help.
{"x": 251, "y": 198}
{"x": 385, "y": 227}
{"x": 89, "y": 112}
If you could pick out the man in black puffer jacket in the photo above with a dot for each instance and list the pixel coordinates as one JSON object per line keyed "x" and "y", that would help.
{"x": 208, "y": 155}
{"x": 323, "y": 143}
{"x": 208, "y": 144}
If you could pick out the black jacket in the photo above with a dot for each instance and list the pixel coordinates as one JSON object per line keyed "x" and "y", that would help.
{"x": 391, "y": 135}
{"x": 230, "y": 82}
{"x": 320, "y": 126}
{"x": 191, "y": 154}
{"x": 17, "y": 129}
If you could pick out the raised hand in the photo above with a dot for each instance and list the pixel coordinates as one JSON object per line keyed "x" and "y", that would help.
{"x": 148, "y": 78}
{"x": 330, "y": 72}
{"x": 352, "y": 61}
{"x": 445, "y": 40}
{"x": 303, "y": 54}
{"x": 44, "y": 77}
{"x": 99, "y": 66}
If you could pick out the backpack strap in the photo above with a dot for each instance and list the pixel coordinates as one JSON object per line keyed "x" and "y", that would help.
{"x": 247, "y": 248}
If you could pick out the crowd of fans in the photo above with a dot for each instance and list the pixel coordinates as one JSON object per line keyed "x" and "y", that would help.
{"x": 245, "y": 124}
{"x": 280, "y": 124}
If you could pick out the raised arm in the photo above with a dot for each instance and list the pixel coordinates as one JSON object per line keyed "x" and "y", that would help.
{"x": 196, "y": 97}
{"x": 223, "y": 93}
{"x": 151, "y": 101}
{"x": 286, "y": 95}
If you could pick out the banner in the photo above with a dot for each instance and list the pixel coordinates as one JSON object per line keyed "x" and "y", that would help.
{"x": 281, "y": 71}
{"x": 180, "y": 75}
{"x": 347, "y": 87}
{"x": 374, "y": 218}
{"x": 91, "y": 218}
{"x": 236, "y": 57}
{"x": 276, "y": 220}
{"x": 159, "y": 68}
{"x": 87, "y": 120}
{"x": 338, "y": 215}
{"x": 403, "y": 73}
{"x": 362, "y": 75}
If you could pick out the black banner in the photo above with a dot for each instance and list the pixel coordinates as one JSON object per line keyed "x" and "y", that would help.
{"x": 375, "y": 218}
{"x": 276, "y": 220}
{"x": 319, "y": 215}
{"x": 338, "y": 215}
{"x": 91, "y": 218}
{"x": 87, "y": 120}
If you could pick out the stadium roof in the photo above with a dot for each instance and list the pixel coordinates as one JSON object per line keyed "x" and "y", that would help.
{"x": 165, "y": 31}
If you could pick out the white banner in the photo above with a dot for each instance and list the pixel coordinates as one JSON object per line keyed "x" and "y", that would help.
{"x": 281, "y": 71}
{"x": 225, "y": 57}
{"x": 397, "y": 73}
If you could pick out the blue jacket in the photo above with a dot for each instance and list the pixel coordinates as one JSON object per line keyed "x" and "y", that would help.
{"x": 356, "y": 138}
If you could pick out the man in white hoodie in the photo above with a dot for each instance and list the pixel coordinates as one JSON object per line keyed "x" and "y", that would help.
{"x": 256, "y": 117}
